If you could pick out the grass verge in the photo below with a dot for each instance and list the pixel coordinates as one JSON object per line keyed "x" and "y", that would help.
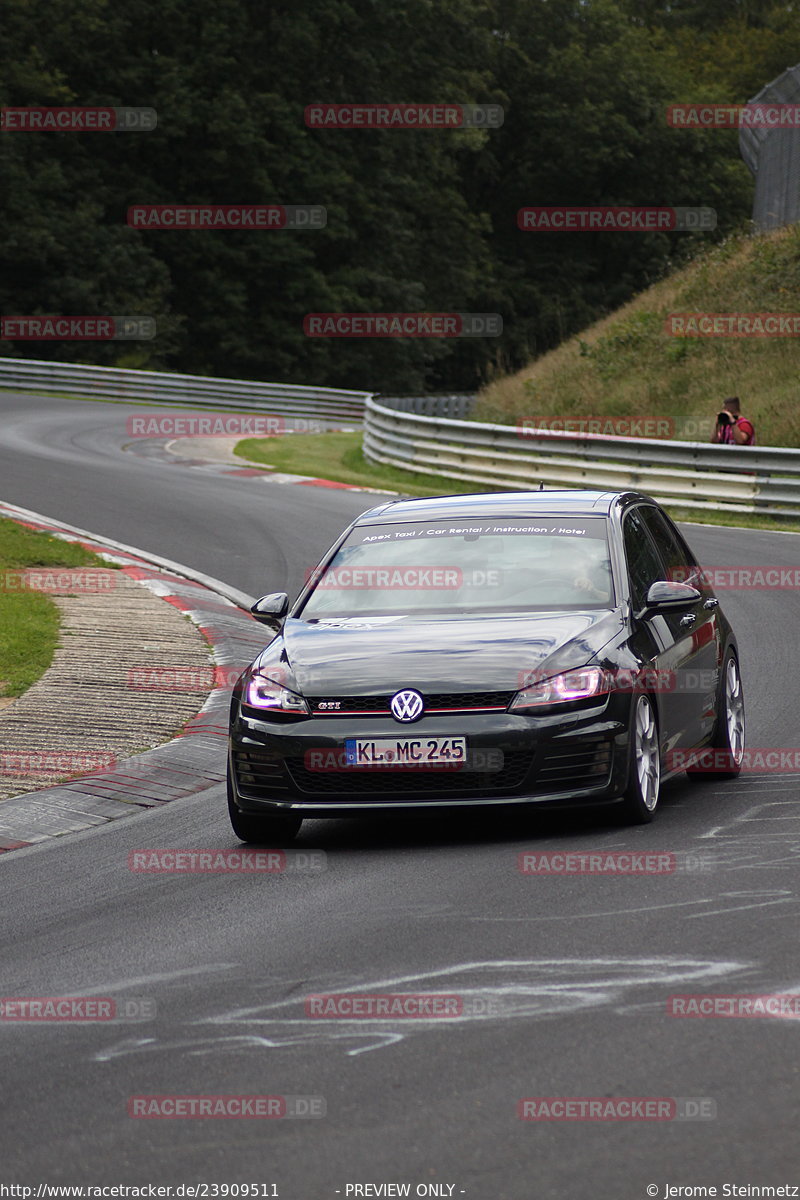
{"x": 30, "y": 620}
{"x": 713, "y": 516}
{"x": 338, "y": 456}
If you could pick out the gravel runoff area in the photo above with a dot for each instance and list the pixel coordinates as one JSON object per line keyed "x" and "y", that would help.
{"x": 148, "y": 661}
{"x": 129, "y": 672}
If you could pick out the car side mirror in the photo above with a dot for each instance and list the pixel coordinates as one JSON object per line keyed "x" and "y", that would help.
{"x": 664, "y": 595}
{"x": 270, "y": 610}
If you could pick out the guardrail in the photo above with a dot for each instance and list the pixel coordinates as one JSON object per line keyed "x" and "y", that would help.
{"x": 196, "y": 391}
{"x": 421, "y": 433}
{"x": 682, "y": 474}
{"x": 459, "y": 405}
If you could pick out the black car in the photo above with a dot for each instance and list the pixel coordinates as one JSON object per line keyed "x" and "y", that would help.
{"x": 543, "y": 647}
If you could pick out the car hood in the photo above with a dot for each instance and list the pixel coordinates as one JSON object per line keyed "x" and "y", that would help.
{"x": 379, "y": 655}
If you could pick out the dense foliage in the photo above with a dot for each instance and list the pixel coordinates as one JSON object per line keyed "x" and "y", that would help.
{"x": 417, "y": 220}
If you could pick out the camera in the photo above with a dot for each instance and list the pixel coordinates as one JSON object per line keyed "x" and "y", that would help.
{"x": 724, "y": 418}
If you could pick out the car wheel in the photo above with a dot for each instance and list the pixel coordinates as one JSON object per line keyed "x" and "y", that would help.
{"x": 272, "y": 828}
{"x": 640, "y": 800}
{"x": 724, "y": 758}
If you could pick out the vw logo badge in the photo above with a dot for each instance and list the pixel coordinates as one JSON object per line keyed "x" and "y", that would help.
{"x": 407, "y": 705}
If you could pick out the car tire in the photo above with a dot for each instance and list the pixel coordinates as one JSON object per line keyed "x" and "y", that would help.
{"x": 267, "y": 828}
{"x": 640, "y": 799}
{"x": 727, "y": 745}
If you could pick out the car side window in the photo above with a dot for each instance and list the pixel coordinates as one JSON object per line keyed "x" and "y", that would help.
{"x": 681, "y": 566}
{"x": 644, "y": 565}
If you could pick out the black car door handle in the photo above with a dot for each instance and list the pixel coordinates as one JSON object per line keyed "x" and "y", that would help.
{"x": 689, "y": 619}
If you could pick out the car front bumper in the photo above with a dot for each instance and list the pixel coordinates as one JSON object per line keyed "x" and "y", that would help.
{"x": 582, "y": 757}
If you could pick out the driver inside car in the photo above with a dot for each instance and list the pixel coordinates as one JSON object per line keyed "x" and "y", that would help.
{"x": 579, "y": 569}
{"x": 591, "y": 574}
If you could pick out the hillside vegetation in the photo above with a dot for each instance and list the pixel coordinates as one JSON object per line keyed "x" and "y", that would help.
{"x": 628, "y": 364}
{"x": 419, "y": 220}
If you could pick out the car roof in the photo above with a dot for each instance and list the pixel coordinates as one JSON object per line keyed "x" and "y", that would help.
{"x": 566, "y": 502}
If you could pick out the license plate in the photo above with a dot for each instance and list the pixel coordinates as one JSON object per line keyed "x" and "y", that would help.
{"x": 405, "y": 752}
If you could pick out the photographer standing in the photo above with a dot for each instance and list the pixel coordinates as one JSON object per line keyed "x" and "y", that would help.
{"x": 731, "y": 427}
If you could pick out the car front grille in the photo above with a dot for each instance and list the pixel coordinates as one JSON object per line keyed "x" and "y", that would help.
{"x": 379, "y": 781}
{"x": 434, "y": 702}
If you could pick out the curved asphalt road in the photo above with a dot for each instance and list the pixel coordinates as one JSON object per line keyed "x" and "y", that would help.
{"x": 573, "y": 972}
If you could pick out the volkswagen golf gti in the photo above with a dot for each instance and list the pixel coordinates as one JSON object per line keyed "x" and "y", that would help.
{"x": 547, "y": 648}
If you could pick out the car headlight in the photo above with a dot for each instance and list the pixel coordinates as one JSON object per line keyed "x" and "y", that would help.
{"x": 581, "y": 684}
{"x": 267, "y": 694}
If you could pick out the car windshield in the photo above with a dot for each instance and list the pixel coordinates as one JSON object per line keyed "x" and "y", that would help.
{"x": 463, "y": 567}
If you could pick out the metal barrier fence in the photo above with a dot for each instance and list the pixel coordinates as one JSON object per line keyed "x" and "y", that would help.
{"x": 773, "y": 156}
{"x": 196, "y": 391}
{"x": 681, "y": 474}
{"x": 400, "y": 432}
{"x": 457, "y": 405}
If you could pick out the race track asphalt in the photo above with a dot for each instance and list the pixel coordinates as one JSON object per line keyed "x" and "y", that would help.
{"x": 566, "y": 978}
